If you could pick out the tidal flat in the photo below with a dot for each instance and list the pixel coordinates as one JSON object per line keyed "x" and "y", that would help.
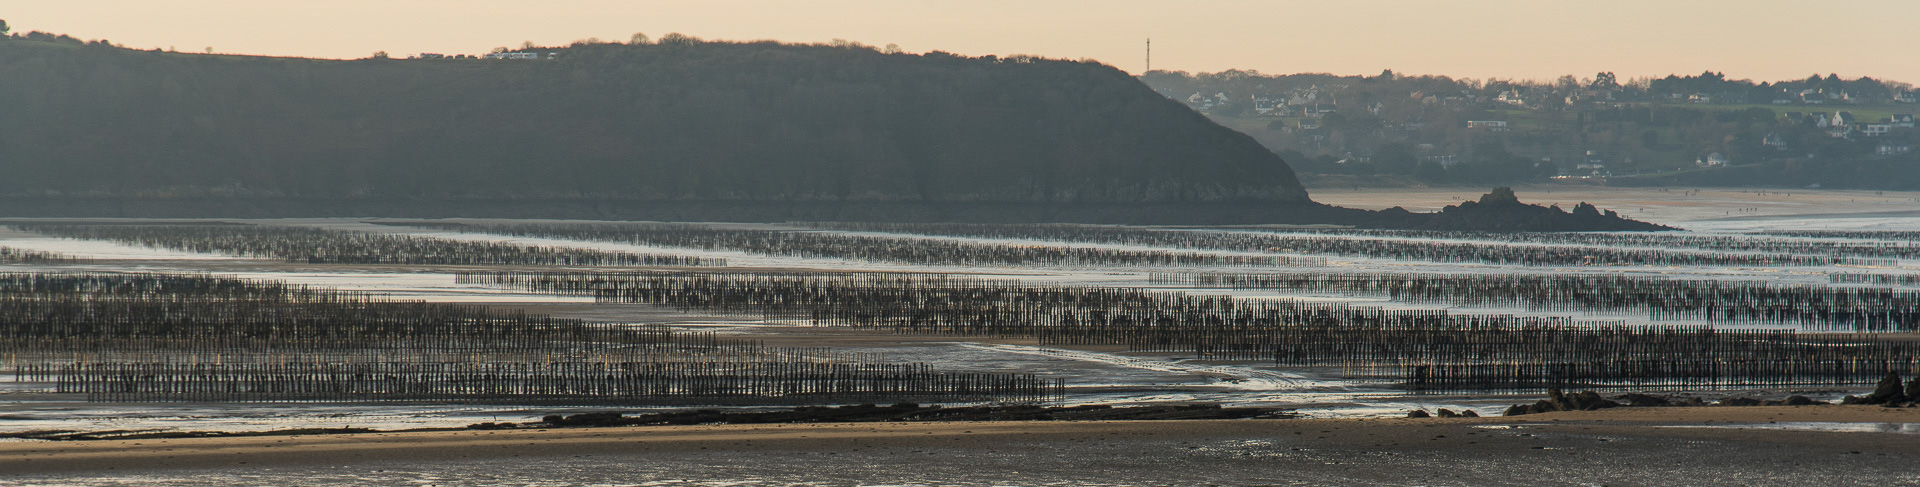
{"x": 1867, "y": 254}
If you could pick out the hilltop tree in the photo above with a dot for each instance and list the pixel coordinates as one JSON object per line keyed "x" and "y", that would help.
{"x": 1605, "y": 80}
{"x": 4, "y": 29}
{"x": 639, "y": 39}
{"x": 678, "y": 39}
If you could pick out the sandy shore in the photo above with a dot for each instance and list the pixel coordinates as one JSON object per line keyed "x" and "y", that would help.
{"x": 1621, "y": 446}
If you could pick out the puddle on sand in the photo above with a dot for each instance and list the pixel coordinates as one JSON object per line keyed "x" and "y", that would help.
{"x": 1902, "y": 428}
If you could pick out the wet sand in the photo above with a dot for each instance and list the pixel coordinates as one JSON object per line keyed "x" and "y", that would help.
{"x": 1620, "y": 446}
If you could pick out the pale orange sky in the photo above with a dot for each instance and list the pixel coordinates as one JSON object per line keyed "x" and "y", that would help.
{"x": 1756, "y": 39}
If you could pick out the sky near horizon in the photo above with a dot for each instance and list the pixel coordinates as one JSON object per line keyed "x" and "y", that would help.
{"x": 1763, "y": 40}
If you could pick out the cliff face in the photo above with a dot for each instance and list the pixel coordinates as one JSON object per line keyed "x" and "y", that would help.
{"x": 691, "y": 122}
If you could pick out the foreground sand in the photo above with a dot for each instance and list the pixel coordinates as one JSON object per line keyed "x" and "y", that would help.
{"x": 1621, "y": 446}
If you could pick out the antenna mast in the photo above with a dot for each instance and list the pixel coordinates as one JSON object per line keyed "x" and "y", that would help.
{"x": 1149, "y": 56}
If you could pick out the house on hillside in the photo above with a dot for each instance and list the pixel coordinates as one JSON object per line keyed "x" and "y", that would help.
{"x": 1841, "y": 118}
{"x": 1592, "y": 160}
{"x": 1816, "y": 120}
{"x": 1906, "y": 97}
{"x": 1774, "y": 140}
{"x": 1700, "y": 98}
{"x": 1594, "y": 165}
{"x": 1202, "y": 102}
{"x": 1265, "y": 104}
{"x": 431, "y": 55}
{"x": 1512, "y": 97}
{"x": 1892, "y": 148}
{"x": 1840, "y": 131}
{"x": 1876, "y": 129}
{"x": 1712, "y": 160}
{"x": 514, "y": 55}
{"x": 1901, "y": 120}
{"x": 1444, "y": 160}
{"x": 1489, "y": 125}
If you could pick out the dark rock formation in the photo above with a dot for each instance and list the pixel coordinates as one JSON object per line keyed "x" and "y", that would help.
{"x": 1643, "y": 400}
{"x": 1888, "y": 392}
{"x": 915, "y": 412}
{"x": 1501, "y": 211}
{"x": 1799, "y": 401}
{"x": 1421, "y": 413}
{"x": 1589, "y": 401}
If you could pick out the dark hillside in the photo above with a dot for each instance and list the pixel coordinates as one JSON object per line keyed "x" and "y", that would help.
{"x": 682, "y": 123}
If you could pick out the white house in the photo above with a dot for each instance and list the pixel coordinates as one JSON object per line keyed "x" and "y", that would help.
{"x": 1841, "y": 118}
{"x": 1901, "y": 120}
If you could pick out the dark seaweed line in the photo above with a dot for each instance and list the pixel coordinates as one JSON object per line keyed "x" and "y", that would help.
{"x": 1365, "y": 340}
{"x": 901, "y": 249}
{"x": 1344, "y": 243}
{"x": 321, "y": 246}
{"x": 760, "y": 382}
{"x": 144, "y": 337}
{"x": 9, "y": 255}
{"x": 1713, "y": 301}
{"x": 1875, "y": 252}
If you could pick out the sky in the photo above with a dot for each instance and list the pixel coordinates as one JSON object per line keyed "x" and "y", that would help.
{"x": 1763, "y": 40}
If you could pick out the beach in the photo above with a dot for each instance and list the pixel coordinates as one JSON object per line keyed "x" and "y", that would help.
{"x": 1623, "y": 446}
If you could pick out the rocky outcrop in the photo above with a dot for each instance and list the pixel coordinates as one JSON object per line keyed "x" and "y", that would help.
{"x": 1590, "y": 400}
{"x": 1500, "y": 210}
{"x": 1889, "y": 393}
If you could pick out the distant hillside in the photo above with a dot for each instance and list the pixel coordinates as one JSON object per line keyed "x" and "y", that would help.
{"x": 674, "y": 122}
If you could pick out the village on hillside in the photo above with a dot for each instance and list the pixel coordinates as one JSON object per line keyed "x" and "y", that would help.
{"x": 1437, "y": 130}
